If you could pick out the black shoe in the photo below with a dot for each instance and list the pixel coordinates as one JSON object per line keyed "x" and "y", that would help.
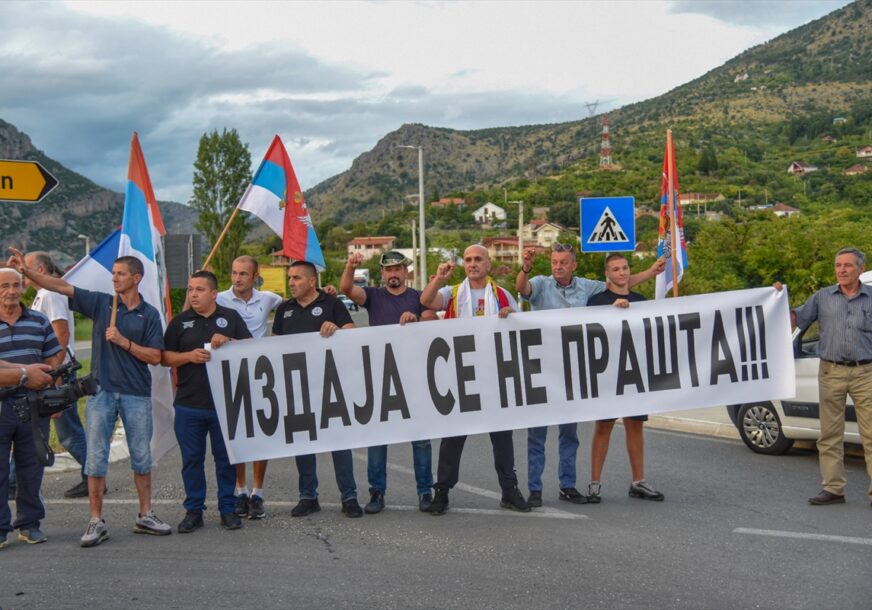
{"x": 242, "y": 505}
{"x": 193, "y": 520}
{"x": 306, "y": 506}
{"x": 571, "y": 494}
{"x": 645, "y": 492}
{"x": 535, "y": 499}
{"x": 376, "y": 502}
{"x": 231, "y": 521}
{"x": 825, "y": 498}
{"x": 439, "y": 505}
{"x": 350, "y": 508}
{"x": 80, "y": 490}
{"x": 512, "y": 499}
{"x": 255, "y": 508}
{"x": 424, "y": 502}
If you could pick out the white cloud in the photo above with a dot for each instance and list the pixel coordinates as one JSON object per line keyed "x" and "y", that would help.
{"x": 332, "y": 78}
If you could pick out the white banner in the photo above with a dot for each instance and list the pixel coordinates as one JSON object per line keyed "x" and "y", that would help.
{"x": 298, "y": 394}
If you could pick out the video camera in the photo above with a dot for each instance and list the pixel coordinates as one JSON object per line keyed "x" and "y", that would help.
{"x": 43, "y": 403}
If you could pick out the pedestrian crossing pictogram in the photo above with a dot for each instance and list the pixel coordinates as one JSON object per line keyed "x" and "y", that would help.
{"x": 608, "y": 224}
{"x": 607, "y": 229}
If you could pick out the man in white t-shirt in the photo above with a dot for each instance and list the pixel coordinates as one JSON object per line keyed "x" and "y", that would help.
{"x": 68, "y": 425}
{"x": 254, "y": 306}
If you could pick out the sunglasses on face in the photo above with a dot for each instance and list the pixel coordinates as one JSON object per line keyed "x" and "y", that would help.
{"x": 556, "y": 247}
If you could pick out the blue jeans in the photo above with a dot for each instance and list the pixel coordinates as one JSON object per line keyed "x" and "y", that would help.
{"x": 192, "y": 426}
{"x": 343, "y": 467}
{"x": 101, "y": 413}
{"x": 567, "y": 449}
{"x": 71, "y": 435}
{"x": 377, "y": 467}
{"x": 17, "y": 437}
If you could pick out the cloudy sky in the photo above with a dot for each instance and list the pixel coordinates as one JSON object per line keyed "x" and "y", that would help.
{"x": 332, "y": 78}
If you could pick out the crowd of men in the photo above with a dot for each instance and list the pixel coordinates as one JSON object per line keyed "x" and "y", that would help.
{"x": 127, "y": 337}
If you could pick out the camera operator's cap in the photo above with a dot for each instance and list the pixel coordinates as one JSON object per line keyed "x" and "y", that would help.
{"x": 391, "y": 258}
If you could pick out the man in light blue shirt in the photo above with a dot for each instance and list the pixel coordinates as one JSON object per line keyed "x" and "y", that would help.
{"x": 559, "y": 290}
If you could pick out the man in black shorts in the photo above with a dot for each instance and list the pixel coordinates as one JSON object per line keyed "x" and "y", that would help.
{"x": 618, "y": 293}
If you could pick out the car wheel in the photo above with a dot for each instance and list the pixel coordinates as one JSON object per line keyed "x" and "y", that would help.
{"x": 760, "y": 429}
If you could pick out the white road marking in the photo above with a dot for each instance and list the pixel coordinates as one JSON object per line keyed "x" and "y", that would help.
{"x": 803, "y": 536}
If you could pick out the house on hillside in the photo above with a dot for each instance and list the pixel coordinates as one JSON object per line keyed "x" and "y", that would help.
{"x": 781, "y": 210}
{"x": 371, "y": 246}
{"x": 541, "y": 232}
{"x": 800, "y": 168}
{"x": 489, "y": 213}
{"x": 828, "y": 139}
{"x": 505, "y": 249}
{"x": 700, "y": 199}
{"x": 856, "y": 170}
{"x": 864, "y": 152}
{"x": 839, "y": 120}
{"x": 446, "y": 201}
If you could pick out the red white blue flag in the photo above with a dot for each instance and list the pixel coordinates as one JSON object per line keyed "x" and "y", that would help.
{"x": 664, "y": 243}
{"x": 140, "y": 235}
{"x": 275, "y": 197}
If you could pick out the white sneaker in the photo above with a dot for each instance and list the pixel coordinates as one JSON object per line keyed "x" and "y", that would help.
{"x": 149, "y": 523}
{"x": 96, "y": 533}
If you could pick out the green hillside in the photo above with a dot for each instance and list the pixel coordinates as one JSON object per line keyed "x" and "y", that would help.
{"x": 786, "y": 96}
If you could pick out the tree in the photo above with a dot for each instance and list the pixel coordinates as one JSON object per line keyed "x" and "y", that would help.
{"x": 222, "y": 172}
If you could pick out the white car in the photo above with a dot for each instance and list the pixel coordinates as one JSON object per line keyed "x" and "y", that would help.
{"x": 771, "y": 427}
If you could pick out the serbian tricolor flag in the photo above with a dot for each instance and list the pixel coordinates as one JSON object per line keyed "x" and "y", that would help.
{"x": 663, "y": 283}
{"x": 140, "y": 235}
{"x": 275, "y": 197}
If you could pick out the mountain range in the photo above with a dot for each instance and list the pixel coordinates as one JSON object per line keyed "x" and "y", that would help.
{"x": 824, "y": 66}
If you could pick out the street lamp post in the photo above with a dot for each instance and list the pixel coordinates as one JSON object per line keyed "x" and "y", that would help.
{"x": 520, "y": 231}
{"x": 87, "y": 243}
{"x": 422, "y": 267}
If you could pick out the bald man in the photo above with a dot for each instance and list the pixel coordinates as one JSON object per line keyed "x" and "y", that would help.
{"x": 477, "y": 295}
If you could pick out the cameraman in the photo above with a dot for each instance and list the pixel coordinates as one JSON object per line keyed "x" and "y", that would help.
{"x": 26, "y": 338}
{"x": 54, "y": 306}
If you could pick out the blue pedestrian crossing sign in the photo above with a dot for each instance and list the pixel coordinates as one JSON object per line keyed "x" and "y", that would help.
{"x": 608, "y": 224}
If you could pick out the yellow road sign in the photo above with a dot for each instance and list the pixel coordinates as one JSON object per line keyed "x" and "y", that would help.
{"x": 24, "y": 181}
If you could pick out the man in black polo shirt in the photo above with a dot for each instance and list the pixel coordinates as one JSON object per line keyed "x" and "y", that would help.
{"x": 618, "y": 293}
{"x": 310, "y": 310}
{"x": 188, "y": 340}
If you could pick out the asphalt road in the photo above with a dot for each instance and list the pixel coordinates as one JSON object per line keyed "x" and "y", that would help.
{"x": 735, "y": 531}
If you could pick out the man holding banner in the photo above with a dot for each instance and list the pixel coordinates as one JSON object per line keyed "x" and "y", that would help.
{"x": 844, "y": 312}
{"x": 127, "y": 336}
{"x": 190, "y": 339}
{"x": 618, "y": 293}
{"x": 393, "y": 303}
{"x": 477, "y": 295}
{"x": 254, "y": 306}
{"x": 562, "y": 289}
{"x": 311, "y": 310}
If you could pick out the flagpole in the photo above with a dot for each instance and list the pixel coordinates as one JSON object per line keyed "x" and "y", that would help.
{"x": 114, "y": 315}
{"x": 673, "y": 212}
{"x": 220, "y": 238}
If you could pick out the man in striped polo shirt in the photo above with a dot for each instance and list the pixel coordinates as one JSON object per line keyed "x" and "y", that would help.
{"x": 26, "y": 337}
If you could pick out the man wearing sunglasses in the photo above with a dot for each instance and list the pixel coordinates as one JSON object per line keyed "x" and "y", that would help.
{"x": 393, "y": 303}
{"x": 560, "y": 290}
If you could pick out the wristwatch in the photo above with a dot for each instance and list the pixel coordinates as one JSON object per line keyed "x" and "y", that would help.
{"x": 23, "y": 380}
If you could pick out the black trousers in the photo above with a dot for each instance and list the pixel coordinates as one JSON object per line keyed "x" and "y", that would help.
{"x": 451, "y": 449}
